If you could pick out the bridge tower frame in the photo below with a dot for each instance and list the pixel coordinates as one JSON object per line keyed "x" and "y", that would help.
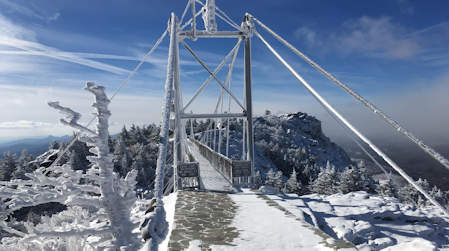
{"x": 178, "y": 115}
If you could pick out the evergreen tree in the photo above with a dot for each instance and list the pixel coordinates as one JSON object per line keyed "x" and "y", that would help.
{"x": 78, "y": 153}
{"x": 145, "y": 174}
{"x": 350, "y": 180}
{"x": 258, "y": 182}
{"x": 438, "y": 195}
{"x": 122, "y": 157}
{"x": 54, "y": 145}
{"x": 271, "y": 178}
{"x": 278, "y": 181}
{"x": 409, "y": 194}
{"x": 326, "y": 182}
{"x": 293, "y": 185}
{"x": 385, "y": 188}
{"x": 366, "y": 182}
{"x": 125, "y": 135}
{"x": 7, "y": 166}
{"x": 23, "y": 166}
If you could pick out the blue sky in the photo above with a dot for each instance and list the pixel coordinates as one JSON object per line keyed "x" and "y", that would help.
{"x": 396, "y": 53}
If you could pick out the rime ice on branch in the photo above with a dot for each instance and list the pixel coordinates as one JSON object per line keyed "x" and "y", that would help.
{"x": 116, "y": 205}
{"x": 99, "y": 190}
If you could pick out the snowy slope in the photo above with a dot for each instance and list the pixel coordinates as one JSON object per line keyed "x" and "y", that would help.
{"x": 372, "y": 222}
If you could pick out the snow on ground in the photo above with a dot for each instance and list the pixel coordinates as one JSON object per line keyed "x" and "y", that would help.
{"x": 371, "y": 222}
{"x": 210, "y": 178}
{"x": 169, "y": 205}
{"x": 138, "y": 214}
{"x": 262, "y": 226}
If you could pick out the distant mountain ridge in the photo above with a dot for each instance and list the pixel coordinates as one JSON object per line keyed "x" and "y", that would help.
{"x": 35, "y": 146}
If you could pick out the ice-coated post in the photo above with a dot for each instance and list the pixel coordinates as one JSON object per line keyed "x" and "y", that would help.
{"x": 157, "y": 226}
{"x": 248, "y": 98}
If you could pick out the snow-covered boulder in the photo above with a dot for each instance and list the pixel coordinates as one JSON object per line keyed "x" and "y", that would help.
{"x": 268, "y": 190}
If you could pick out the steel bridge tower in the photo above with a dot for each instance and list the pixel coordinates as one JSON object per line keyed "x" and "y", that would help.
{"x": 173, "y": 92}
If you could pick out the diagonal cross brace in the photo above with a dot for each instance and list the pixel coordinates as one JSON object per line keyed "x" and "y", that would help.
{"x": 213, "y": 75}
{"x": 218, "y": 69}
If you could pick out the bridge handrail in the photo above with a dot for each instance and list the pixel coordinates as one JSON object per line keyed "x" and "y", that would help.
{"x": 222, "y": 163}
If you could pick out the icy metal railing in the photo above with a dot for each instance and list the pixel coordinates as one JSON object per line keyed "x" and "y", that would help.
{"x": 229, "y": 168}
{"x": 218, "y": 161}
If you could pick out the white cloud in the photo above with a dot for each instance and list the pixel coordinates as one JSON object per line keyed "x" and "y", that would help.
{"x": 30, "y": 10}
{"x": 21, "y": 9}
{"x": 54, "y": 17}
{"x": 16, "y": 36}
{"x": 9, "y": 29}
{"x": 23, "y": 124}
{"x": 309, "y": 35}
{"x": 374, "y": 37}
{"x": 25, "y": 112}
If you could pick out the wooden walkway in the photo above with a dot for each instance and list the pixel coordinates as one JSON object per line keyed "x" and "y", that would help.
{"x": 210, "y": 178}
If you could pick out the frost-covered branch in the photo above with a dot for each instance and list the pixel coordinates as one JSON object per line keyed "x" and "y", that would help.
{"x": 72, "y": 116}
{"x": 98, "y": 190}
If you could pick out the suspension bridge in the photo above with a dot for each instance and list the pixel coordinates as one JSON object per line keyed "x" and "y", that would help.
{"x": 204, "y": 171}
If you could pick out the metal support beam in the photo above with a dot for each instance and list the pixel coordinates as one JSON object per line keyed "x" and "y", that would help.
{"x": 193, "y": 31}
{"x": 218, "y": 34}
{"x": 212, "y": 115}
{"x": 249, "y": 104}
{"x": 219, "y": 67}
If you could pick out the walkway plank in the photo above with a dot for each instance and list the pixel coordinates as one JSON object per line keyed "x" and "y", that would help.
{"x": 210, "y": 178}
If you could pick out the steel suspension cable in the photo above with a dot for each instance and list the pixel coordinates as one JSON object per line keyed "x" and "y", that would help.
{"x": 359, "y": 144}
{"x": 185, "y": 12}
{"x": 125, "y": 82}
{"x": 429, "y": 150}
{"x": 320, "y": 99}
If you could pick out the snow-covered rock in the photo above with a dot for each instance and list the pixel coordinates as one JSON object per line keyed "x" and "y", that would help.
{"x": 285, "y": 142}
{"x": 268, "y": 189}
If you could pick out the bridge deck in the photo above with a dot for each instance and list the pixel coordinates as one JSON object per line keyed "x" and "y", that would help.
{"x": 210, "y": 178}
{"x": 242, "y": 221}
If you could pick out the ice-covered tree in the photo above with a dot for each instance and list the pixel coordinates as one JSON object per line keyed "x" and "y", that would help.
{"x": 278, "y": 180}
{"x": 122, "y": 157}
{"x": 366, "y": 181}
{"x": 270, "y": 178}
{"x": 54, "y": 145}
{"x": 79, "y": 152}
{"x": 258, "y": 181}
{"x": 7, "y": 166}
{"x": 326, "y": 182}
{"x": 350, "y": 180}
{"x": 409, "y": 194}
{"x": 386, "y": 188}
{"x": 24, "y": 165}
{"x": 439, "y": 195}
{"x": 293, "y": 185}
{"x": 99, "y": 208}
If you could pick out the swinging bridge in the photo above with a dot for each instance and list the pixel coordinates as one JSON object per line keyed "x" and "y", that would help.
{"x": 202, "y": 160}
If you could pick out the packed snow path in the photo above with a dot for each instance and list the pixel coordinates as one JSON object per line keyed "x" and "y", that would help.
{"x": 210, "y": 178}
{"x": 241, "y": 221}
